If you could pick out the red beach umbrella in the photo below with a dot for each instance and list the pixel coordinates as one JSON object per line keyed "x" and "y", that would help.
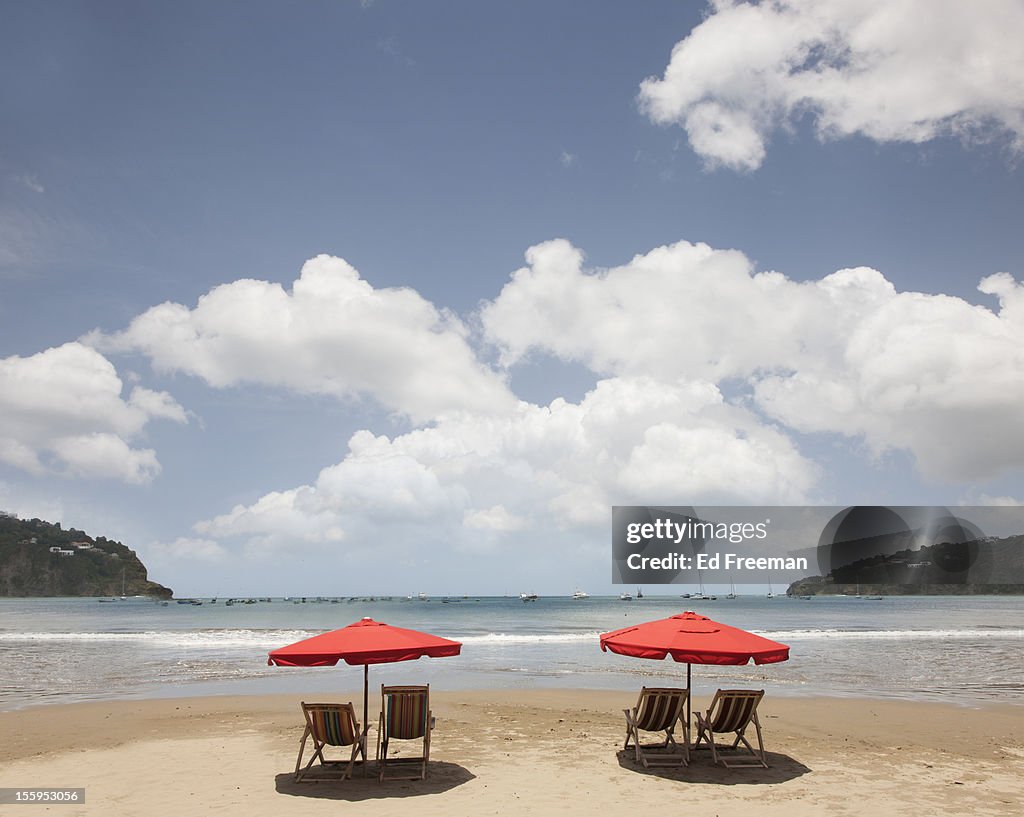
{"x": 363, "y": 642}
{"x": 693, "y": 639}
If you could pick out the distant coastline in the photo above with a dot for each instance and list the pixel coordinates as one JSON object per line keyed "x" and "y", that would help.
{"x": 984, "y": 567}
{"x": 826, "y": 586}
{"x": 39, "y": 559}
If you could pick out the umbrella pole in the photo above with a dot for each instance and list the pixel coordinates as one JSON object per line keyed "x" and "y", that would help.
{"x": 688, "y": 668}
{"x": 366, "y": 724}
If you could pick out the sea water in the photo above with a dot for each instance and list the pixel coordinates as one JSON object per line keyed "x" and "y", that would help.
{"x": 965, "y": 650}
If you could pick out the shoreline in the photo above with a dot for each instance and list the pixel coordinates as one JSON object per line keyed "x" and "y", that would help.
{"x": 211, "y": 691}
{"x": 520, "y": 752}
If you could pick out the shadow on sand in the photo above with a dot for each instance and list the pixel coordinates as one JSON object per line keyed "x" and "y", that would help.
{"x": 701, "y": 770}
{"x": 441, "y": 777}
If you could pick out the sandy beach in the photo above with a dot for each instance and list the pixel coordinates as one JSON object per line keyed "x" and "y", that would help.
{"x": 518, "y": 752}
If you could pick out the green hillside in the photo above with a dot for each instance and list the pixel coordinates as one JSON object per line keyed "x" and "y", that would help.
{"x": 38, "y": 558}
{"x": 984, "y": 567}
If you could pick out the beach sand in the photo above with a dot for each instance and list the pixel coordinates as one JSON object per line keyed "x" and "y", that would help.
{"x": 517, "y": 752}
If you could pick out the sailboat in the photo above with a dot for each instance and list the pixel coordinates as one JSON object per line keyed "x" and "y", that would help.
{"x": 732, "y": 589}
{"x": 639, "y": 593}
{"x": 123, "y": 596}
{"x": 770, "y": 595}
{"x": 702, "y": 596}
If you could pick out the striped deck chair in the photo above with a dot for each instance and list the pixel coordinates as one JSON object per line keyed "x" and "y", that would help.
{"x": 404, "y": 715}
{"x": 659, "y": 709}
{"x": 732, "y": 710}
{"x": 329, "y": 725}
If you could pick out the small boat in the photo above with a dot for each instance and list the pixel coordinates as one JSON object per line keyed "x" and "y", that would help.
{"x": 578, "y": 594}
{"x": 625, "y": 597}
{"x": 702, "y": 596}
{"x": 527, "y": 596}
{"x": 639, "y": 593}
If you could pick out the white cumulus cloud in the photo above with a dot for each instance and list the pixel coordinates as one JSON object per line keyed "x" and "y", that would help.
{"x": 332, "y": 334}
{"x": 932, "y": 374}
{"x": 186, "y": 549}
{"x": 495, "y": 518}
{"x": 536, "y": 469}
{"x": 62, "y": 410}
{"x": 846, "y": 354}
{"x": 683, "y": 310}
{"x": 890, "y": 70}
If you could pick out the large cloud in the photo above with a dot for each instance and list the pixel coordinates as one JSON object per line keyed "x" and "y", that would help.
{"x": 62, "y": 410}
{"x": 684, "y": 310}
{"x": 846, "y": 354}
{"x": 332, "y": 334}
{"x": 932, "y": 374}
{"x": 891, "y": 70}
{"x": 534, "y": 471}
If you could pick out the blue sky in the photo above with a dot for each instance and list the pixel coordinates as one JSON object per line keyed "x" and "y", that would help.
{"x": 573, "y": 255}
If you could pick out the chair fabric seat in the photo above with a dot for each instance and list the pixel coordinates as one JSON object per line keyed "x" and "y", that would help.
{"x": 732, "y": 711}
{"x": 404, "y": 715}
{"x": 329, "y": 725}
{"x": 659, "y": 709}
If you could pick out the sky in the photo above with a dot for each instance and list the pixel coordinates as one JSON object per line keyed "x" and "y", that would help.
{"x": 338, "y": 298}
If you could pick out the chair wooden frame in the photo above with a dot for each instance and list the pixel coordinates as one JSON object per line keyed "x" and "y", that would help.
{"x": 732, "y": 710}
{"x": 329, "y": 725}
{"x": 659, "y": 709}
{"x": 404, "y": 715}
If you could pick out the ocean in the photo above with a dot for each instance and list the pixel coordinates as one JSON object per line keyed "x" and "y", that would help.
{"x": 965, "y": 650}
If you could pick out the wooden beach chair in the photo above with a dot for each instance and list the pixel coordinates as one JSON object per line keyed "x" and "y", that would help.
{"x": 659, "y": 709}
{"x": 732, "y": 710}
{"x": 329, "y": 725}
{"x": 404, "y": 715}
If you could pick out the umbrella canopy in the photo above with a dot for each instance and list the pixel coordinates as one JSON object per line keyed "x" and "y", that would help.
{"x": 363, "y": 642}
{"x": 693, "y": 639}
